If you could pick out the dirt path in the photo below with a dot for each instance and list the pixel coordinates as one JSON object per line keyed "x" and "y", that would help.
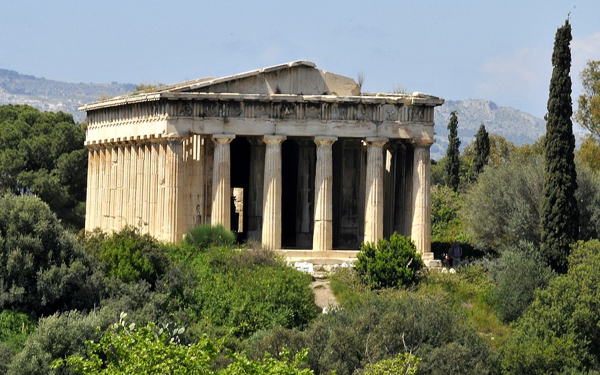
{"x": 323, "y": 295}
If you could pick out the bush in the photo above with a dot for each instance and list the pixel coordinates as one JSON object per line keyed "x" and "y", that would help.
{"x": 127, "y": 350}
{"x": 128, "y": 255}
{"x": 382, "y": 327}
{"x": 519, "y": 272}
{"x": 561, "y": 328}
{"x": 57, "y": 336}
{"x": 15, "y": 327}
{"x": 404, "y": 363}
{"x": 205, "y": 236}
{"x": 388, "y": 264}
{"x": 248, "y": 298}
{"x": 42, "y": 267}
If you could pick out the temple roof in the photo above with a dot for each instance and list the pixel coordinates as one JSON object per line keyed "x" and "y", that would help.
{"x": 296, "y": 81}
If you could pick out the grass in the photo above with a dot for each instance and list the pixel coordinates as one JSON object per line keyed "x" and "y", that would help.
{"x": 470, "y": 289}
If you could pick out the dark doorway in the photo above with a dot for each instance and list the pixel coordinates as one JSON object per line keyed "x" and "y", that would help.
{"x": 289, "y": 175}
{"x": 348, "y": 193}
{"x": 240, "y": 176}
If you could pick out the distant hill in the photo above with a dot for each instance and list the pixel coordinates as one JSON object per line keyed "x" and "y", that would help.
{"x": 49, "y": 95}
{"x": 514, "y": 125}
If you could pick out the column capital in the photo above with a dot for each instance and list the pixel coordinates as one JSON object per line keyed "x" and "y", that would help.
{"x": 376, "y": 141}
{"x": 422, "y": 142}
{"x": 255, "y": 141}
{"x": 223, "y": 138}
{"x": 274, "y": 139}
{"x": 324, "y": 141}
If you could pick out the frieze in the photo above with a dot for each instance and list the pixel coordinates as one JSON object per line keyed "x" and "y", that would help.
{"x": 359, "y": 112}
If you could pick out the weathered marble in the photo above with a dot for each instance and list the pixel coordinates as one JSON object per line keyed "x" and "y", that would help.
{"x": 221, "y": 191}
{"x": 421, "y": 199}
{"x": 323, "y": 222}
{"x": 374, "y": 189}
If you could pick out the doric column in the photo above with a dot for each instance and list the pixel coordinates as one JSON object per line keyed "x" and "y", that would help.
{"x": 374, "y": 189}
{"x": 421, "y": 201}
{"x": 171, "y": 156}
{"x": 323, "y": 230}
{"x": 271, "y": 228}
{"x": 221, "y": 184}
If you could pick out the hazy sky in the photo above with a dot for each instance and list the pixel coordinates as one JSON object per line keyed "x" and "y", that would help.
{"x": 498, "y": 50}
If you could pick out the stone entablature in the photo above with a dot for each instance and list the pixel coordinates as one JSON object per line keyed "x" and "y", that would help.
{"x": 174, "y": 115}
{"x": 165, "y": 161}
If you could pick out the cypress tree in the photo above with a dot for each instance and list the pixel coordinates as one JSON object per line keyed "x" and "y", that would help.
{"x": 482, "y": 149}
{"x": 452, "y": 154}
{"x": 559, "y": 216}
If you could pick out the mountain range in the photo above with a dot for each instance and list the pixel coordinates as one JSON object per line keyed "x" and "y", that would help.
{"x": 49, "y": 95}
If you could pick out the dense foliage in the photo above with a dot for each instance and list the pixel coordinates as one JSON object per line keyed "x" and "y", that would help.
{"x": 42, "y": 267}
{"x": 561, "y": 329}
{"x": 42, "y": 153}
{"x": 446, "y": 225}
{"x": 124, "y": 349}
{"x": 453, "y": 154}
{"x": 128, "y": 255}
{"x": 588, "y": 113}
{"x": 250, "y": 289}
{"x": 519, "y": 272}
{"x": 377, "y": 326}
{"x": 392, "y": 263}
{"x": 559, "y": 215}
{"x": 204, "y": 236}
{"x": 507, "y": 200}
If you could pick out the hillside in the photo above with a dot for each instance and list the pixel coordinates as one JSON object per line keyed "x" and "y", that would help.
{"x": 514, "y": 125}
{"x": 49, "y": 95}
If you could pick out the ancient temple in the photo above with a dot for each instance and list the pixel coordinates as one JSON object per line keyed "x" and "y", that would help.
{"x": 290, "y": 155}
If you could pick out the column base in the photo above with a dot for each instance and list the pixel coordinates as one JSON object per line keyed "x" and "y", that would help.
{"x": 430, "y": 262}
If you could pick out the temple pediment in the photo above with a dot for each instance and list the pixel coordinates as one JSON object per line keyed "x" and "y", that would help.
{"x": 294, "y": 78}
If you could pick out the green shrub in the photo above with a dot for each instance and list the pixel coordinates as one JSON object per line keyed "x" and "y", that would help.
{"x": 388, "y": 264}
{"x": 42, "y": 267}
{"x": 15, "y": 327}
{"x": 128, "y": 255}
{"x": 519, "y": 272}
{"x": 127, "y": 350}
{"x": 235, "y": 293}
{"x": 383, "y": 326}
{"x": 57, "y": 336}
{"x": 205, "y": 236}
{"x": 404, "y": 363}
{"x": 561, "y": 328}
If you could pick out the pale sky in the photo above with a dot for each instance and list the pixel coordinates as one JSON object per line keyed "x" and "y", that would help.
{"x": 475, "y": 49}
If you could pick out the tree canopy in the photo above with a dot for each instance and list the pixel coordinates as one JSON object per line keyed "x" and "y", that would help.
{"x": 42, "y": 153}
